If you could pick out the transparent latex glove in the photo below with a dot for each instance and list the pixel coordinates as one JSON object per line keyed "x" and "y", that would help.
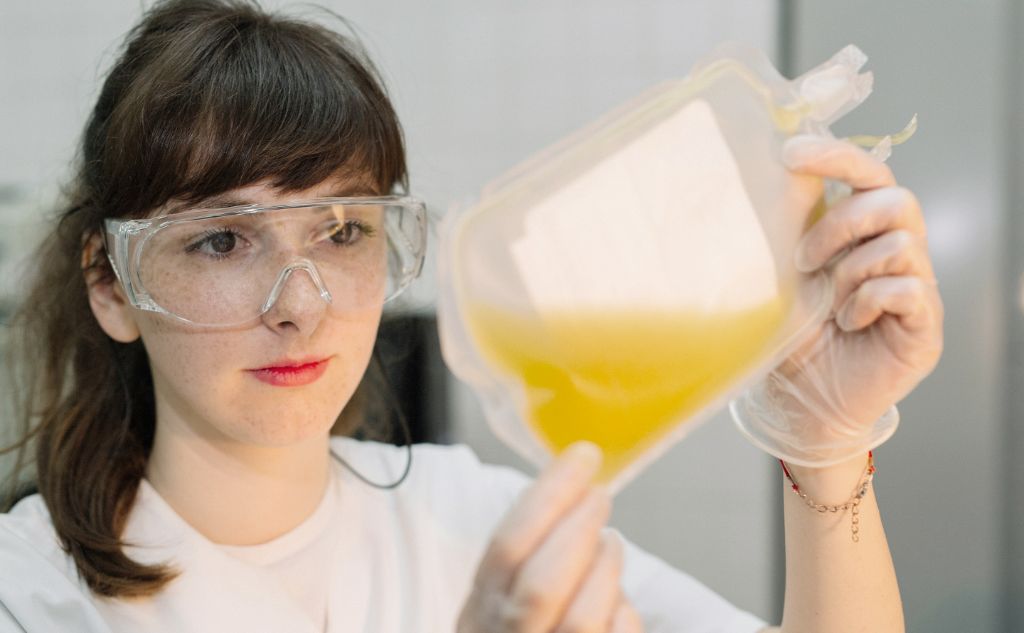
{"x": 550, "y": 565}
{"x": 835, "y": 396}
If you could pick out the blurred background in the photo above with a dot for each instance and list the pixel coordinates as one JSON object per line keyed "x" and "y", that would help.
{"x": 482, "y": 85}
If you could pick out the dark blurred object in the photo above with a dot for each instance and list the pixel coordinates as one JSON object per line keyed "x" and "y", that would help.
{"x": 405, "y": 382}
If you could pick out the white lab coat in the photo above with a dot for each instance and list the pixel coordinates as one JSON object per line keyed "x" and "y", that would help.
{"x": 404, "y": 562}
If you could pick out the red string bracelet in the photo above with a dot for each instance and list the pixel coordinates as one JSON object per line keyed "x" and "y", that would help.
{"x": 852, "y": 504}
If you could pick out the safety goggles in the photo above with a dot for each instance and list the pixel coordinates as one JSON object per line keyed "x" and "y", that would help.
{"x": 227, "y": 266}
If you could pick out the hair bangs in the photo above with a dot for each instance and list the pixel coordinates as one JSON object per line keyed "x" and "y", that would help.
{"x": 293, "y": 104}
{"x": 294, "y": 116}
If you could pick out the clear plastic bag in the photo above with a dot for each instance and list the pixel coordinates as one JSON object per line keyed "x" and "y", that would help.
{"x": 626, "y": 283}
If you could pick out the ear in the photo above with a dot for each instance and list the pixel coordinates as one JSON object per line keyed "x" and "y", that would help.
{"x": 109, "y": 304}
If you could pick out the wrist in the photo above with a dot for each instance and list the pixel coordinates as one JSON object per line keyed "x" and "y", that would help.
{"x": 829, "y": 485}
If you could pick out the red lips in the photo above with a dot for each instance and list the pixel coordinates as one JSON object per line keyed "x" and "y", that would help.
{"x": 291, "y": 373}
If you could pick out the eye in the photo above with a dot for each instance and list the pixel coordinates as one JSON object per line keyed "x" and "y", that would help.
{"x": 216, "y": 243}
{"x": 349, "y": 232}
{"x": 222, "y": 242}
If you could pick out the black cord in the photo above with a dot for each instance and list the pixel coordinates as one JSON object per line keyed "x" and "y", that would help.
{"x": 389, "y": 396}
{"x": 408, "y": 460}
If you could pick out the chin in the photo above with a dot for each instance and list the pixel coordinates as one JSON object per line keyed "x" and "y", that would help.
{"x": 279, "y": 435}
{"x": 278, "y": 426}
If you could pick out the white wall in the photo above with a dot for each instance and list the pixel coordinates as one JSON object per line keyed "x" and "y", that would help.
{"x": 52, "y": 56}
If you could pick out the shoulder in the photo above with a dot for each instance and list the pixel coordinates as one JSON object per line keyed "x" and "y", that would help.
{"x": 447, "y": 487}
{"x": 48, "y": 595}
{"x": 28, "y": 529}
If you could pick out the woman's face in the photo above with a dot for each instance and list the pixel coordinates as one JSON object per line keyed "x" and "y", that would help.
{"x": 205, "y": 379}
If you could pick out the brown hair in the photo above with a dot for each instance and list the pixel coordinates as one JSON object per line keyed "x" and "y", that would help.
{"x": 206, "y": 96}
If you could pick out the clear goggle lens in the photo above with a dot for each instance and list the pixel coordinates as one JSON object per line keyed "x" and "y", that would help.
{"x": 229, "y": 268}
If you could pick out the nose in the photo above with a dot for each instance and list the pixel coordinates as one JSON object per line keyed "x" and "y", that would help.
{"x": 300, "y": 304}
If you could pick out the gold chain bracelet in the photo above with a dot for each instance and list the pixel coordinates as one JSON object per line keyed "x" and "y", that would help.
{"x": 852, "y": 504}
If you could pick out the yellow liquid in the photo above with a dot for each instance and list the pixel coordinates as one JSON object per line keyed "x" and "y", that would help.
{"x": 622, "y": 379}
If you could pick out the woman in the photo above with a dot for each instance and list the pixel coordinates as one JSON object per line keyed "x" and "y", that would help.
{"x": 186, "y": 358}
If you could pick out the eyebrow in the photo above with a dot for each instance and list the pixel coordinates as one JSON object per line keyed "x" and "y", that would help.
{"x": 232, "y": 200}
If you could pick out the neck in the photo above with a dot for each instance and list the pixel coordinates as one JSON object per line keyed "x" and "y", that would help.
{"x": 234, "y": 493}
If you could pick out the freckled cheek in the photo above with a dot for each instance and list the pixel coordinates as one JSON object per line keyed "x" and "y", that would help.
{"x": 200, "y": 364}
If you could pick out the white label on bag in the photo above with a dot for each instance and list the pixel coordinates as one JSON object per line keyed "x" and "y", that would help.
{"x": 664, "y": 223}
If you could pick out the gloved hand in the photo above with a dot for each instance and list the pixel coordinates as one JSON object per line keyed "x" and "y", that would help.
{"x": 835, "y": 396}
{"x": 549, "y": 566}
